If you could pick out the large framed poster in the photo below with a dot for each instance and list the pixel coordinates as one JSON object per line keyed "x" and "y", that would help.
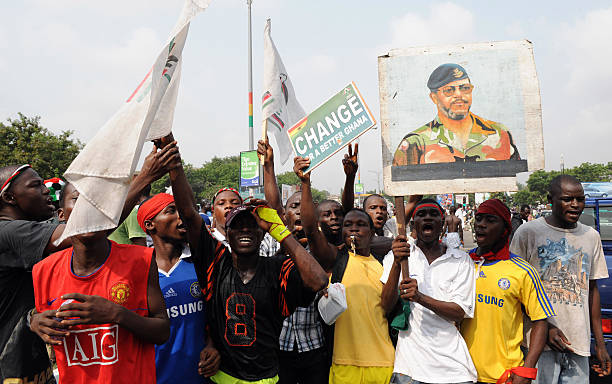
{"x": 460, "y": 118}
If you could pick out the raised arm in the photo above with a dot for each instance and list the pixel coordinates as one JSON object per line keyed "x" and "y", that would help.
{"x": 349, "y": 163}
{"x": 184, "y": 200}
{"x": 270, "y": 186}
{"x": 157, "y": 164}
{"x": 321, "y": 249}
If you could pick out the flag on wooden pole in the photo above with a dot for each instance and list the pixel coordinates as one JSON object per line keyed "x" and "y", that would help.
{"x": 279, "y": 105}
{"x": 102, "y": 171}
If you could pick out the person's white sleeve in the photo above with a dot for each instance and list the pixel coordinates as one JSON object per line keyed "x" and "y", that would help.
{"x": 387, "y": 265}
{"x": 462, "y": 290}
{"x": 599, "y": 269}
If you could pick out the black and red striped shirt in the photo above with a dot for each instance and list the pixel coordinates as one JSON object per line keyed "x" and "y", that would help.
{"x": 246, "y": 319}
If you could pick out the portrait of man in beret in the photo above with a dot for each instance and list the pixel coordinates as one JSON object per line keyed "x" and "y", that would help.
{"x": 455, "y": 134}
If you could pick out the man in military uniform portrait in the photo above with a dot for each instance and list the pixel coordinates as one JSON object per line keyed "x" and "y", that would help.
{"x": 455, "y": 134}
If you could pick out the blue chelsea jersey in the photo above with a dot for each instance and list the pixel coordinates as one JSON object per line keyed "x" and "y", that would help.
{"x": 177, "y": 359}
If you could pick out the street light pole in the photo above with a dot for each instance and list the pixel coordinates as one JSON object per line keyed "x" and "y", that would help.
{"x": 250, "y": 59}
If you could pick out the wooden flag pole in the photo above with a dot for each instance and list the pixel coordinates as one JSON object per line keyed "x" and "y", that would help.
{"x": 400, "y": 216}
{"x": 264, "y": 134}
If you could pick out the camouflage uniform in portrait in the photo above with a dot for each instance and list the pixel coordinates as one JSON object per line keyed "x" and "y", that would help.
{"x": 434, "y": 143}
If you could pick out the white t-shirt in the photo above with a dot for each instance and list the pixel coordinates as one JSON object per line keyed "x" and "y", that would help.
{"x": 432, "y": 349}
{"x": 566, "y": 260}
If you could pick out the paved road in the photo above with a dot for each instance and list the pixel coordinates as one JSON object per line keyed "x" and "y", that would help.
{"x": 468, "y": 240}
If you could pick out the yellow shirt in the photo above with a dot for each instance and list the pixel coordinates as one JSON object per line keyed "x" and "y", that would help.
{"x": 361, "y": 335}
{"x": 495, "y": 333}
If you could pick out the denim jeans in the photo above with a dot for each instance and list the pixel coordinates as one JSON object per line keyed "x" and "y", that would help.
{"x": 562, "y": 368}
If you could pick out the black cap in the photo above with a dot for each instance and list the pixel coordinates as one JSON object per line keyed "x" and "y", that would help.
{"x": 445, "y": 74}
{"x": 235, "y": 212}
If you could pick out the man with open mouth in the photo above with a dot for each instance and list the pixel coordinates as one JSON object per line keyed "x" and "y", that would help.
{"x": 248, "y": 296}
{"x": 362, "y": 349}
{"x": 563, "y": 250}
{"x": 506, "y": 287}
{"x": 440, "y": 291}
{"x": 189, "y": 348}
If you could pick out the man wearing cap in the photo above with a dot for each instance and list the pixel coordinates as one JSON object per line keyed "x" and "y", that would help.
{"x": 178, "y": 358}
{"x": 507, "y": 287}
{"x": 247, "y": 295}
{"x": 440, "y": 292}
{"x": 455, "y": 134}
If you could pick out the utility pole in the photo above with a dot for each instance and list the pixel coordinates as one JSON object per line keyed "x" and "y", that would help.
{"x": 250, "y": 59}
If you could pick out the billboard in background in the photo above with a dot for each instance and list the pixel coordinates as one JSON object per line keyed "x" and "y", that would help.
{"x": 445, "y": 199}
{"x": 249, "y": 169}
{"x": 459, "y": 118}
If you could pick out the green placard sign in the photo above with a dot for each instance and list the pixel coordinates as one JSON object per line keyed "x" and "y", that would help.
{"x": 332, "y": 126}
{"x": 249, "y": 169}
{"x": 359, "y": 189}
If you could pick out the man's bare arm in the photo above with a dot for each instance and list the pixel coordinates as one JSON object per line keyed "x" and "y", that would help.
{"x": 349, "y": 163}
{"x": 185, "y": 201}
{"x": 321, "y": 249}
{"x": 270, "y": 186}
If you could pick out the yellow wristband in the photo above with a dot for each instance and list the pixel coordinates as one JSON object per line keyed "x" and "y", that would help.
{"x": 278, "y": 230}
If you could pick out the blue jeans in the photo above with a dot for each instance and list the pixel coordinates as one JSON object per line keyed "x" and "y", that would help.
{"x": 562, "y": 368}
{"x": 399, "y": 378}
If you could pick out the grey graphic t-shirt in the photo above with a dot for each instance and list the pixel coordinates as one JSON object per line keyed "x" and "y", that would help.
{"x": 566, "y": 260}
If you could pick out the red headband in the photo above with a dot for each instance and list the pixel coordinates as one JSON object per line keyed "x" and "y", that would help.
{"x": 498, "y": 208}
{"x": 152, "y": 207}
{"x": 12, "y": 177}
{"x": 427, "y": 205}
{"x": 227, "y": 189}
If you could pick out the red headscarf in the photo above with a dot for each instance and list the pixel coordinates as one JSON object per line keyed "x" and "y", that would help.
{"x": 498, "y": 208}
{"x": 152, "y": 207}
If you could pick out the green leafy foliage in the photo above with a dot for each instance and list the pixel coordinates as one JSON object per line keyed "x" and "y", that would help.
{"x": 205, "y": 181}
{"x": 25, "y": 141}
{"x": 288, "y": 178}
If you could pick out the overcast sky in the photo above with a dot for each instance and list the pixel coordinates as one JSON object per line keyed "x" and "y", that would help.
{"x": 74, "y": 62}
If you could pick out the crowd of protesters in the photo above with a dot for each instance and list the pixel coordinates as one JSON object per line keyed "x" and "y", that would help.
{"x": 232, "y": 292}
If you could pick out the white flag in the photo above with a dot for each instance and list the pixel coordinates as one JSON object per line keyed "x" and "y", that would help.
{"x": 102, "y": 171}
{"x": 279, "y": 104}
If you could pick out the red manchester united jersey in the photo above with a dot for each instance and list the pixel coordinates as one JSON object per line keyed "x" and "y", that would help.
{"x": 100, "y": 353}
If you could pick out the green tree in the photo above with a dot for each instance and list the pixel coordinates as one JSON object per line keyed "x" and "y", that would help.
{"x": 25, "y": 141}
{"x": 288, "y": 178}
{"x": 539, "y": 182}
{"x": 588, "y": 172}
{"x": 525, "y": 196}
{"x": 207, "y": 180}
